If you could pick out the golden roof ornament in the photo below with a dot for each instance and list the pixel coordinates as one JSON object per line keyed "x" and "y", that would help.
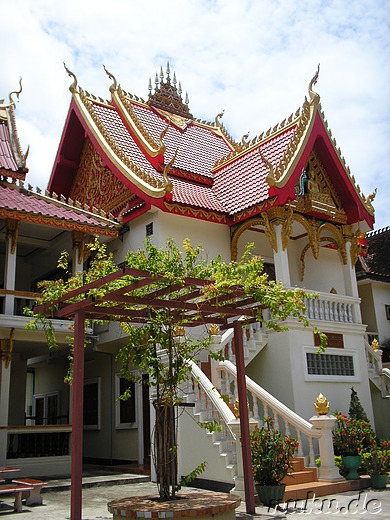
{"x": 73, "y": 86}
{"x": 17, "y": 92}
{"x": 168, "y": 186}
{"x": 218, "y": 117}
{"x": 214, "y": 329}
{"x": 321, "y": 405}
{"x": 167, "y": 96}
{"x": 314, "y": 97}
{"x": 114, "y": 85}
{"x": 375, "y": 344}
{"x": 178, "y": 331}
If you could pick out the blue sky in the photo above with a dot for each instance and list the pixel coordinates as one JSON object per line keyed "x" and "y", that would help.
{"x": 252, "y": 58}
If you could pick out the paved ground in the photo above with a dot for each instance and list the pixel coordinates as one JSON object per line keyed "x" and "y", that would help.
{"x": 98, "y": 491}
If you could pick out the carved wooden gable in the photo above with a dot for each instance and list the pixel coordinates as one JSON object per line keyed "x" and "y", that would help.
{"x": 315, "y": 194}
{"x": 95, "y": 185}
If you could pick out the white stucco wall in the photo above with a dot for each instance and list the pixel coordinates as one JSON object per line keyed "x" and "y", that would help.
{"x": 381, "y": 295}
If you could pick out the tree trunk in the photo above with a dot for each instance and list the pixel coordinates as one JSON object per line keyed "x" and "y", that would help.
{"x": 166, "y": 450}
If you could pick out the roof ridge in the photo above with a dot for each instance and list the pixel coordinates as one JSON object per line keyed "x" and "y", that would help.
{"x": 376, "y": 232}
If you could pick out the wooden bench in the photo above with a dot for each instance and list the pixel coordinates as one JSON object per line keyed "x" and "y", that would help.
{"x": 33, "y": 494}
{"x": 17, "y": 490}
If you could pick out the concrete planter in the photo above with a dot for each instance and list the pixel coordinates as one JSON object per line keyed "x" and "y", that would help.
{"x": 205, "y": 505}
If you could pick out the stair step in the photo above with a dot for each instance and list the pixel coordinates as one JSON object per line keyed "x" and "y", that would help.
{"x": 308, "y": 490}
{"x": 300, "y": 477}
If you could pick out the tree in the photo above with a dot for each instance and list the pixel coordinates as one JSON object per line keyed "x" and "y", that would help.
{"x": 356, "y": 410}
{"x": 161, "y": 346}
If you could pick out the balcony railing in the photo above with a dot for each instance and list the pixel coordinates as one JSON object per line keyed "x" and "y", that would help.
{"x": 22, "y": 299}
{"x": 333, "y": 307}
{"x": 38, "y": 441}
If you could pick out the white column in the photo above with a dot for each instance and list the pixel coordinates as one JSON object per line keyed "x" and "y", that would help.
{"x": 350, "y": 283}
{"x": 328, "y": 470}
{"x": 5, "y": 379}
{"x": 77, "y": 252}
{"x": 282, "y": 271}
{"x": 239, "y": 488}
{"x": 9, "y": 275}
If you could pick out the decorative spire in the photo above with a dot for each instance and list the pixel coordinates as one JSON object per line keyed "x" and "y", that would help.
{"x": 167, "y": 96}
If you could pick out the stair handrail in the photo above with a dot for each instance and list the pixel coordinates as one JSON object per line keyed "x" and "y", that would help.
{"x": 212, "y": 393}
{"x": 374, "y": 358}
{"x": 282, "y": 410}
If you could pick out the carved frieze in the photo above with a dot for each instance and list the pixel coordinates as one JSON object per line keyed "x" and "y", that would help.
{"x": 95, "y": 185}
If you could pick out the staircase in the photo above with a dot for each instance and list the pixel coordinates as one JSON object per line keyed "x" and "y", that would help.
{"x": 378, "y": 375}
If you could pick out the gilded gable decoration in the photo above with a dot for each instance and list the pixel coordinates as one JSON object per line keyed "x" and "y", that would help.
{"x": 6, "y": 347}
{"x": 96, "y": 185}
{"x": 269, "y": 231}
{"x": 315, "y": 193}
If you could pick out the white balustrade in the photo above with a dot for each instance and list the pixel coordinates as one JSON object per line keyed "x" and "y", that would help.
{"x": 331, "y": 307}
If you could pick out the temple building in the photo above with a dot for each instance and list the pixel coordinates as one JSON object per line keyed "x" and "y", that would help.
{"x": 127, "y": 169}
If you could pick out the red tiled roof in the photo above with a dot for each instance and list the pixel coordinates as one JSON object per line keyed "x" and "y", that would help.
{"x": 375, "y": 264}
{"x": 242, "y": 183}
{"x": 27, "y": 203}
{"x": 7, "y": 160}
{"x": 198, "y": 147}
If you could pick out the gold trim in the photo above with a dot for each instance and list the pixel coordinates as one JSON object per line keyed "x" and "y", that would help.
{"x": 6, "y": 347}
{"x": 185, "y": 210}
{"x": 12, "y": 227}
{"x": 270, "y": 231}
{"x": 144, "y": 181}
{"x": 239, "y": 231}
{"x": 78, "y": 239}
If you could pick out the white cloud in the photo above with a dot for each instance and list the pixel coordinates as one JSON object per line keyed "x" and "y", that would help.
{"x": 253, "y": 58}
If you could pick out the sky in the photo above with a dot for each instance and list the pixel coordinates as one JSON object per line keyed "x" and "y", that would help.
{"x": 254, "y": 59}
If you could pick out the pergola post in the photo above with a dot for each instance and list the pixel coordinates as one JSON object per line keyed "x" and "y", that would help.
{"x": 77, "y": 416}
{"x": 244, "y": 419}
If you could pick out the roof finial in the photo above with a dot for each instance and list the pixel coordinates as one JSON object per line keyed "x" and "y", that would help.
{"x": 314, "y": 97}
{"x": 187, "y": 99}
{"x": 180, "y": 90}
{"x": 156, "y": 81}
{"x": 73, "y": 86}
{"x": 150, "y": 85}
{"x": 174, "y": 79}
{"x": 168, "y": 184}
{"x": 168, "y": 73}
{"x": 114, "y": 85}
{"x": 161, "y": 75}
{"x": 17, "y": 92}
{"x": 218, "y": 117}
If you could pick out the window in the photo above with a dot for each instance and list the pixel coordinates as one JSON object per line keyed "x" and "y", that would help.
{"x": 45, "y": 408}
{"x": 149, "y": 229}
{"x": 91, "y": 405}
{"x": 332, "y": 366}
{"x": 126, "y": 414}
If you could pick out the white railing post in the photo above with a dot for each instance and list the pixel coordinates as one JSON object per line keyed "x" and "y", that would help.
{"x": 328, "y": 470}
{"x": 239, "y": 488}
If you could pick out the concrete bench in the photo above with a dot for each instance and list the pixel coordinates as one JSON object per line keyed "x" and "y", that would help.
{"x": 33, "y": 494}
{"x": 17, "y": 490}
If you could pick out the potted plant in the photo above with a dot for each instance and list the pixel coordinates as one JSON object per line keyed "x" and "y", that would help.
{"x": 351, "y": 437}
{"x": 377, "y": 464}
{"x": 271, "y": 461}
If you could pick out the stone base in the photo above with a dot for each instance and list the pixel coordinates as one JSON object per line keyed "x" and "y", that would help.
{"x": 205, "y": 505}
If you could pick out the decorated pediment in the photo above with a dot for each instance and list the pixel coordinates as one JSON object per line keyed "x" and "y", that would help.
{"x": 315, "y": 194}
{"x": 96, "y": 186}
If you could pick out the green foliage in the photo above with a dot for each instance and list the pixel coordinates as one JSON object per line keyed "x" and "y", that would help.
{"x": 352, "y": 436}
{"x": 155, "y": 348}
{"x": 271, "y": 454}
{"x": 376, "y": 461}
{"x": 188, "y": 479}
{"x": 356, "y": 410}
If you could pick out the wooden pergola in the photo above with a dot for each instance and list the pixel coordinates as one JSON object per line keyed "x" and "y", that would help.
{"x": 185, "y": 301}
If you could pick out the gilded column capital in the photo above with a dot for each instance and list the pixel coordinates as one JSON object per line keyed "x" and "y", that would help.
{"x": 12, "y": 227}
{"x": 6, "y": 347}
{"x": 78, "y": 238}
{"x": 270, "y": 231}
